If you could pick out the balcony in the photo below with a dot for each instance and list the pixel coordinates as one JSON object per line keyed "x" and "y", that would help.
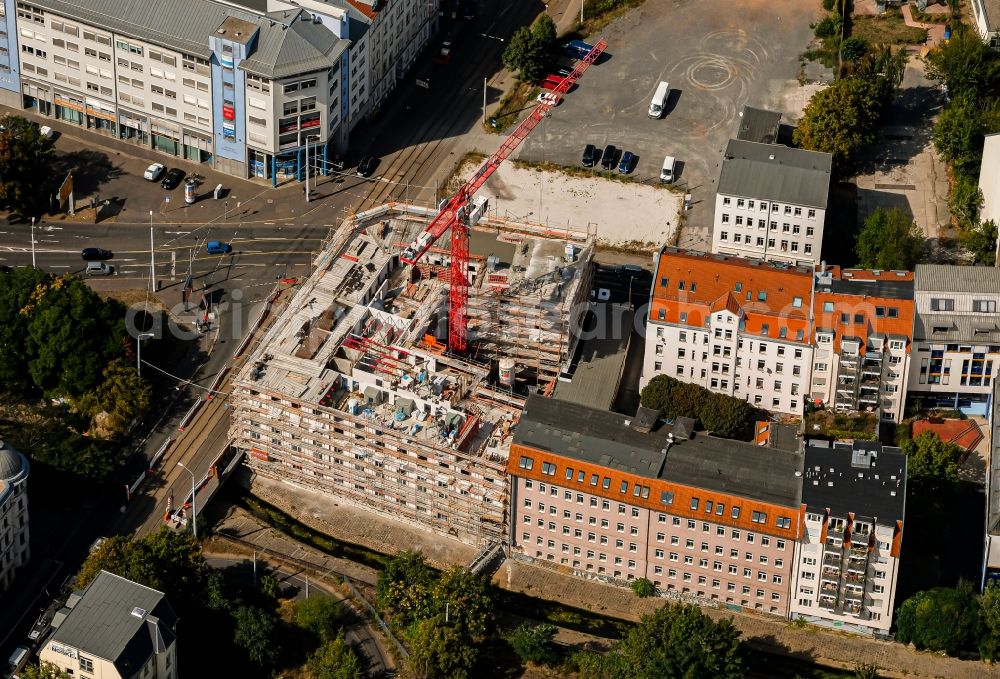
{"x": 829, "y": 588}
{"x": 833, "y": 558}
{"x": 827, "y": 603}
{"x": 834, "y": 543}
{"x": 831, "y": 574}
{"x": 873, "y": 356}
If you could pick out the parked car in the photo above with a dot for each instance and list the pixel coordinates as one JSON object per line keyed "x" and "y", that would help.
{"x": 550, "y": 98}
{"x": 366, "y": 168}
{"x": 216, "y": 247}
{"x": 608, "y": 157}
{"x": 444, "y": 54}
{"x": 589, "y": 155}
{"x": 46, "y": 131}
{"x": 577, "y": 49}
{"x": 99, "y": 269}
{"x": 551, "y": 82}
{"x": 173, "y": 179}
{"x": 96, "y": 254}
{"x": 625, "y": 166}
{"x": 153, "y": 172}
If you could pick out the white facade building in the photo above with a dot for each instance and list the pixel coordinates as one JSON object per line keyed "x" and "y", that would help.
{"x": 848, "y": 558}
{"x": 771, "y": 202}
{"x": 15, "y": 548}
{"x": 986, "y": 16}
{"x": 957, "y": 336}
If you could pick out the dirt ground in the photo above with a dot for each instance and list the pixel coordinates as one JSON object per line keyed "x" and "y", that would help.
{"x": 624, "y": 214}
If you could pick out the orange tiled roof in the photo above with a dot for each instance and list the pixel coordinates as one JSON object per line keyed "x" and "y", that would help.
{"x": 862, "y": 317}
{"x": 966, "y": 434}
{"x": 363, "y": 8}
{"x": 767, "y": 294}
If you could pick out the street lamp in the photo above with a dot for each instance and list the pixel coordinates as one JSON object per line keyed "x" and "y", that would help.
{"x": 32, "y": 242}
{"x": 308, "y": 137}
{"x": 152, "y": 261}
{"x": 194, "y": 507}
{"x": 138, "y": 350}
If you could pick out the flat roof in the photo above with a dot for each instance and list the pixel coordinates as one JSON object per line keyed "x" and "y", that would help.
{"x": 598, "y": 369}
{"x": 776, "y": 172}
{"x": 758, "y": 125}
{"x": 607, "y": 439}
{"x": 863, "y": 478}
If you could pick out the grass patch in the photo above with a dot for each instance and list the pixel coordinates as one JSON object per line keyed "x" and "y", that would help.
{"x": 861, "y": 426}
{"x": 887, "y": 29}
{"x": 599, "y": 13}
{"x": 516, "y": 100}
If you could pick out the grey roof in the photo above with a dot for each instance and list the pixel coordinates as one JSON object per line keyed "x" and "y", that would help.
{"x": 978, "y": 328}
{"x": 948, "y": 278}
{"x": 759, "y": 125}
{"x": 784, "y": 437}
{"x": 598, "y": 368}
{"x": 866, "y": 479}
{"x": 120, "y": 621}
{"x": 11, "y": 462}
{"x": 285, "y": 46}
{"x": 775, "y": 172}
{"x": 714, "y": 464}
{"x": 902, "y": 289}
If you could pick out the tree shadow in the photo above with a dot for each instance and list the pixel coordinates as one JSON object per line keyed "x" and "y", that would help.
{"x": 91, "y": 169}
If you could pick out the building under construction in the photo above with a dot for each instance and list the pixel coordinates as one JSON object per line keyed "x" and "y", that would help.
{"x": 353, "y": 392}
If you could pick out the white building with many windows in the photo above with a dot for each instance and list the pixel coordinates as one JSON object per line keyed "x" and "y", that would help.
{"x": 771, "y": 202}
{"x": 734, "y": 326}
{"x": 847, "y": 567}
{"x": 956, "y": 333}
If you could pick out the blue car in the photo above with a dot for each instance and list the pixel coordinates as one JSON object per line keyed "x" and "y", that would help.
{"x": 625, "y": 166}
{"x": 577, "y": 49}
{"x": 215, "y": 247}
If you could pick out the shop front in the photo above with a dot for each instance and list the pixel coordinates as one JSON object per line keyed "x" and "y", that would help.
{"x": 69, "y": 109}
{"x": 133, "y": 127}
{"x": 197, "y": 147}
{"x": 101, "y": 117}
{"x": 165, "y": 139}
{"x": 37, "y": 98}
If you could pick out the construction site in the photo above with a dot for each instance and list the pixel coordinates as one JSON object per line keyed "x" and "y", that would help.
{"x": 356, "y": 393}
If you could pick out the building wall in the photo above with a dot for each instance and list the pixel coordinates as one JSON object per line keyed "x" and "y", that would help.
{"x": 827, "y": 571}
{"x": 769, "y": 230}
{"x": 989, "y": 177}
{"x": 78, "y": 662}
{"x": 986, "y": 25}
{"x": 769, "y": 373}
{"x": 15, "y": 542}
{"x": 10, "y": 64}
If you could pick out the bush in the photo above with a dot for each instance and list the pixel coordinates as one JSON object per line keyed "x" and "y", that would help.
{"x": 643, "y": 588}
{"x": 828, "y": 27}
{"x": 533, "y": 643}
{"x": 828, "y": 5}
{"x": 854, "y": 48}
{"x": 940, "y": 619}
{"x": 728, "y": 417}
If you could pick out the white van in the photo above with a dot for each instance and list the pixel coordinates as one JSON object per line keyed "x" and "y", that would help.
{"x": 667, "y": 173}
{"x": 18, "y": 659}
{"x": 659, "y": 102}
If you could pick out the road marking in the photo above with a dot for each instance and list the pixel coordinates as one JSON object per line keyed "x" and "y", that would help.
{"x": 59, "y": 266}
{"x": 179, "y": 233}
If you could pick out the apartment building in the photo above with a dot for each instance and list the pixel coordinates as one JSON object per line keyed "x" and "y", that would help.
{"x": 771, "y": 202}
{"x": 15, "y": 545}
{"x": 114, "y": 628}
{"x": 848, "y": 564}
{"x": 735, "y": 326}
{"x": 242, "y": 90}
{"x": 956, "y": 333}
{"x": 599, "y": 495}
{"x": 862, "y": 344}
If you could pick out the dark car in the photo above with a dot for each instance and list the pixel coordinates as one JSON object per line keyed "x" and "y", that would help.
{"x": 366, "y": 168}
{"x": 215, "y": 247}
{"x": 173, "y": 179}
{"x": 625, "y": 166}
{"x": 589, "y": 155}
{"x": 95, "y": 254}
{"x": 608, "y": 157}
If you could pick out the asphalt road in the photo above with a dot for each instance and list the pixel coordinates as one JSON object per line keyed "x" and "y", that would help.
{"x": 294, "y": 583}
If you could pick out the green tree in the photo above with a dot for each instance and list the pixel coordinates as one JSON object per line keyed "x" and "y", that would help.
{"x": 544, "y": 35}
{"x": 440, "y": 650}
{"x": 217, "y": 597}
{"x": 853, "y": 48}
{"x": 534, "y": 643}
{"x": 123, "y": 395}
{"x": 71, "y": 336}
{"x": 966, "y": 198}
{"x": 468, "y": 601}
{"x": 525, "y": 55}
{"x": 940, "y": 619}
{"x": 658, "y": 393}
{"x": 965, "y": 64}
{"x": 255, "y": 633}
{"x": 838, "y": 120}
{"x": 167, "y": 560}
{"x": 958, "y": 134}
{"x": 989, "y": 616}
{"x": 677, "y": 640}
{"x": 25, "y": 161}
{"x": 931, "y": 462}
{"x": 728, "y": 417}
{"x": 828, "y": 26}
{"x": 687, "y": 400}
{"x": 269, "y": 586}
{"x": 980, "y": 239}
{"x": 889, "y": 240}
{"x": 320, "y": 615}
{"x": 402, "y": 589}
{"x": 643, "y": 587}
{"x": 43, "y": 670}
{"x": 16, "y": 291}
{"x": 335, "y": 659}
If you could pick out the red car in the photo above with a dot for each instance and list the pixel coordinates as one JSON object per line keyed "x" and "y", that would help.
{"x": 551, "y": 82}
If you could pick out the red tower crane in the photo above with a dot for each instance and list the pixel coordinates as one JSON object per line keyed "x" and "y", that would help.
{"x": 452, "y": 216}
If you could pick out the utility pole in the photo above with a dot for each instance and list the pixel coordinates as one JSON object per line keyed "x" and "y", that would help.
{"x": 194, "y": 507}
{"x": 32, "y": 242}
{"x": 152, "y": 260}
{"x": 484, "y": 101}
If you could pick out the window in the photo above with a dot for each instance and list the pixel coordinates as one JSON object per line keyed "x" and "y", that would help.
{"x": 984, "y": 306}
{"x": 526, "y": 463}
{"x": 758, "y": 517}
{"x": 86, "y": 664}
{"x": 735, "y": 514}
{"x": 548, "y": 469}
{"x": 942, "y": 304}
{"x": 694, "y": 505}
